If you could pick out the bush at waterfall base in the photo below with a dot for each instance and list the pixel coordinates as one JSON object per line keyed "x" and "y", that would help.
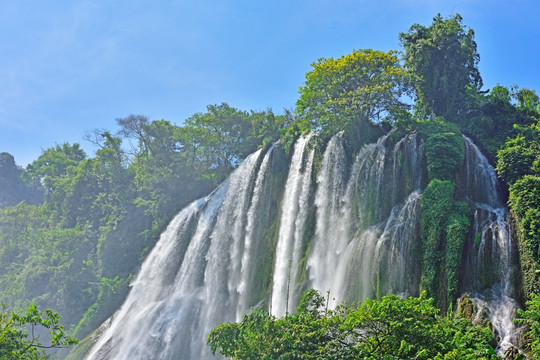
{"x": 531, "y": 317}
{"x": 390, "y": 328}
{"x": 17, "y": 344}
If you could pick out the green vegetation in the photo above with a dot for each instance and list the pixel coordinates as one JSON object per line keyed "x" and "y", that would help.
{"x": 351, "y": 93}
{"x": 457, "y": 229}
{"x": 493, "y": 118}
{"x": 443, "y": 61}
{"x": 444, "y": 221}
{"x": 518, "y": 164}
{"x": 74, "y": 228}
{"x": 390, "y": 328}
{"x": 436, "y": 204}
{"x": 77, "y": 244}
{"x": 17, "y": 344}
{"x": 531, "y": 318}
{"x": 444, "y": 148}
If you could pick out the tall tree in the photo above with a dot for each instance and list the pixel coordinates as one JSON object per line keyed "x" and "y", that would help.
{"x": 219, "y": 139}
{"x": 348, "y": 93}
{"x": 133, "y": 127}
{"x": 443, "y": 61}
{"x": 12, "y": 187}
{"x": 53, "y": 169}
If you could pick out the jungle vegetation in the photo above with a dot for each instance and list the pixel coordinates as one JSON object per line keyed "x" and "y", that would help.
{"x": 74, "y": 227}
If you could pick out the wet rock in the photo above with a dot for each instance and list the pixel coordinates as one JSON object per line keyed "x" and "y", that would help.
{"x": 519, "y": 339}
{"x": 511, "y": 353}
{"x": 467, "y": 308}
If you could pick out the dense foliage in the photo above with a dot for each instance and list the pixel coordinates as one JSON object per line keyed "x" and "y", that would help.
{"x": 531, "y": 317}
{"x": 350, "y": 93}
{"x": 74, "y": 228}
{"x": 389, "y": 328}
{"x": 445, "y": 222}
{"x": 444, "y": 148}
{"x": 518, "y": 164}
{"x": 443, "y": 61}
{"x": 78, "y": 249}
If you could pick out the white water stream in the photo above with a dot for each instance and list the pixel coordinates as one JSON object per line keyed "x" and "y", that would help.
{"x": 492, "y": 253}
{"x": 350, "y": 230}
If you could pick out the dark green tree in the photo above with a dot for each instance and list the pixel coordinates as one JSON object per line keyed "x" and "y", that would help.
{"x": 165, "y": 177}
{"x": 12, "y": 187}
{"x": 269, "y": 127}
{"x": 443, "y": 61}
{"x": 53, "y": 165}
{"x": 218, "y": 140}
{"x": 493, "y": 117}
{"x": 531, "y": 317}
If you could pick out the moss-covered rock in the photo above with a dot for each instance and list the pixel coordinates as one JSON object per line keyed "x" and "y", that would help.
{"x": 468, "y": 309}
{"x": 444, "y": 148}
{"x": 437, "y": 202}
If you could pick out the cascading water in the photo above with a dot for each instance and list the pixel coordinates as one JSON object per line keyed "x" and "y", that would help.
{"x": 291, "y": 230}
{"x": 351, "y": 227}
{"x": 249, "y": 253}
{"x": 356, "y": 239}
{"x": 176, "y": 299}
{"x": 332, "y": 223}
{"x": 491, "y": 252}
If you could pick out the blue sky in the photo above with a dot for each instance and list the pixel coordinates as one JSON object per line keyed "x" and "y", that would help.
{"x": 67, "y": 67}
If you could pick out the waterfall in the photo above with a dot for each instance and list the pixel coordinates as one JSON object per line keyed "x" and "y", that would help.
{"x": 360, "y": 249}
{"x": 176, "y": 300}
{"x": 331, "y": 236}
{"x": 246, "y": 272}
{"x": 491, "y": 250}
{"x": 291, "y": 234}
{"x": 482, "y": 183}
{"x": 334, "y": 221}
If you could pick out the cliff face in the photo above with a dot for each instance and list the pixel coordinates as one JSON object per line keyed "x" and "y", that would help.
{"x": 394, "y": 217}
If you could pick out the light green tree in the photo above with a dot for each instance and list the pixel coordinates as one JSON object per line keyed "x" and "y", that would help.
{"x": 390, "y": 328}
{"x": 352, "y": 92}
{"x": 17, "y": 344}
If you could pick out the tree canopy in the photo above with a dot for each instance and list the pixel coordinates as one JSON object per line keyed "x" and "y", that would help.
{"x": 531, "y": 317}
{"x": 389, "y": 328}
{"x": 443, "y": 61}
{"x": 349, "y": 93}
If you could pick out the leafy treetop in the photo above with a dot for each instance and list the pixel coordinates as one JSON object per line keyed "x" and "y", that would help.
{"x": 17, "y": 344}
{"x": 390, "y": 328}
{"x": 347, "y": 93}
{"x": 443, "y": 61}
